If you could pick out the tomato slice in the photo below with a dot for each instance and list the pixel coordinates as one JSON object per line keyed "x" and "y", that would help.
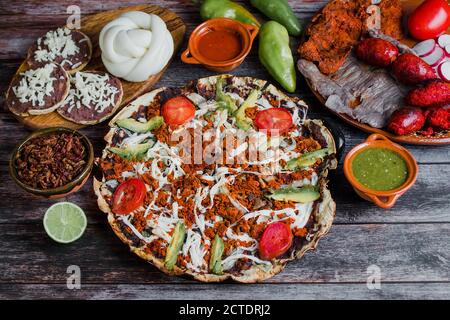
{"x": 274, "y": 119}
{"x": 276, "y": 240}
{"x": 128, "y": 196}
{"x": 178, "y": 110}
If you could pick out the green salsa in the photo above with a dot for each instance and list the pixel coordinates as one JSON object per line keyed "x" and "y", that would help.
{"x": 380, "y": 169}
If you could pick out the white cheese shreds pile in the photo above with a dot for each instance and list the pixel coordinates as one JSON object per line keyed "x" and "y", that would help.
{"x": 194, "y": 249}
{"x": 35, "y": 85}
{"x": 57, "y": 43}
{"x": 92, "y": 91}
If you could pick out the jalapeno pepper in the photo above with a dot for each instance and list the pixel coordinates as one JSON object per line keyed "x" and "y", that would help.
{"x": 276, "y": 55}
{"x": 280, "y": 11}
{"x": 211, "y": 9}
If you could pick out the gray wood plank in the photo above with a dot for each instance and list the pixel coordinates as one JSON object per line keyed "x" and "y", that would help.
{"x": 90, "y": 6}
{"x": 429, "y": 291}
{"x": 403, "y": 252}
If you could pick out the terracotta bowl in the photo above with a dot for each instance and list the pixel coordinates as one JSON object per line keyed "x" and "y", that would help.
{"x": 247, "y": 33}
{"x": 383, "y": 199}
{"x": 63, "y": 191}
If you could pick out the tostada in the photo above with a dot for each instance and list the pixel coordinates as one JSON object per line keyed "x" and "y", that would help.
{"x": 223, "y": 178}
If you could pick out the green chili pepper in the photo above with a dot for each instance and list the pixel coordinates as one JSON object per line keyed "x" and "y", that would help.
{"x": 276, "y": 55}
{"x": 211, "y": 9}
{"x": 280, "y": 11}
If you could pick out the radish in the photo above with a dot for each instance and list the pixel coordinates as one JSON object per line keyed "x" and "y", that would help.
{"x": 444, "y": 40}
{"x": 435, "y": 57}
{"x": 444, "y": 71}
{"x": 425, "y": 48}
{"x": 447, "y": 50}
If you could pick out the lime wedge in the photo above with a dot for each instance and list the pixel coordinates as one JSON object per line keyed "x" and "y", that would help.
{"x": 65, "y": 222}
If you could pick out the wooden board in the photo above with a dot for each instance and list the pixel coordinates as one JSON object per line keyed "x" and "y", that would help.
{"x": 91, "y": 26}
{"x": 439, "y": 139}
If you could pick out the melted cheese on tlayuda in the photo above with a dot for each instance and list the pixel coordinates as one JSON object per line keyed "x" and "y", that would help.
{"x": 166, "y": 165}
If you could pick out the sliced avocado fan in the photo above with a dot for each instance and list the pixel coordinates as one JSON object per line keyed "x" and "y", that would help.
{"x": 242, "y": 121}
{"x": 223, "y": 99}
{"x": 301, "y": 195}
{"x": 306, "y": 160}
{"x": 136, "y": 152}
{"x": 215, "y": 262}
{"x": 175, "y": 245}
{"x": 141, "y": 127}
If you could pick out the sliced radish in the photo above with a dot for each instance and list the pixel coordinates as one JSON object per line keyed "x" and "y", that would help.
{"x": 444, "y": 71}
{"x": 447, "y": 50}
{"x": 425, "y": 48}
{"x": 444, "y": 40}
{"x": 436, "y": 57}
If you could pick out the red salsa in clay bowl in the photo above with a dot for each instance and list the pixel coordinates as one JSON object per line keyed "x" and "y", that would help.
{"x": 380, "y": 171}
{"x": 220, "y": 44}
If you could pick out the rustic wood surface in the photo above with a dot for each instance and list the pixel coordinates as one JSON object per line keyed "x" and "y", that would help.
{"x": 91, "y": 26}
{"x": 409, "y": 243}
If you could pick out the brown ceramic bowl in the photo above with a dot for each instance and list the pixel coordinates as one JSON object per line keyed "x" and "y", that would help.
{"x": 247, "y": 34}
{"x": 63, "y": 191}
{"x": 383, "y": 199}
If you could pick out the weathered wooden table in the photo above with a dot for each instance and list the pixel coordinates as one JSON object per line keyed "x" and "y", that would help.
{"x": 409, "y": 245}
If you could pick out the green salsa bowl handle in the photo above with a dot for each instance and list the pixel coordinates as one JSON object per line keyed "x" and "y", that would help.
{"x": 384, "y": 202}
{"x": 376, "y": 136}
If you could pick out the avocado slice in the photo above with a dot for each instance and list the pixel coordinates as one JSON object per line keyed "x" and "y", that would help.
{"x": 175, "y": 245}
{"x": 223, "y": 99}
{"x": 242, "y": 121}
{"x": 133, "y": 152}
{"x": 141, "y": 127}
{"x": 302, "y": 195}
{"x": 215, "y": 262}
{"x": 307, "y": 159}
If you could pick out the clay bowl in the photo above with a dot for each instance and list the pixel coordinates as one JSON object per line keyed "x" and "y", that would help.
{"x": 59, "y": 192}
{"x": 383, "y": 199}
{"x": 247, "y": 34}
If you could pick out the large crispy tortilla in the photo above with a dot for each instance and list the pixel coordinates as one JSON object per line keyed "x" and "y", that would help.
{"x": 323, "y": 212}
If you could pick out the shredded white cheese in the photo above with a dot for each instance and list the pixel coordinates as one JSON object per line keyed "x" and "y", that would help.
{"x": 92, "y": 91}
{"x": 57, "y": 43}
{"x": 35, "y": 85}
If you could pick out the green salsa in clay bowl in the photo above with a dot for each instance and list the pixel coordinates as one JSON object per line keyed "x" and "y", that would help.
{"x": 380, "y": 171}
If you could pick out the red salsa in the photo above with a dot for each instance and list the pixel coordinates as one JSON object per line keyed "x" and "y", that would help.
{"x": 220, "y": 44}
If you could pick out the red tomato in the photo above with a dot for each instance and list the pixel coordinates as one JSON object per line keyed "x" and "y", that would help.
{"x": 274, "y": 119}
{"x": 276, "y": 240}
{"x": 128, "y": 196}
{"x": 429, "y": 20}
{"x": 178, "y": 110}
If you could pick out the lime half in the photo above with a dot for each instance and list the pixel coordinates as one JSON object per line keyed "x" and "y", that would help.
{"x": 65, "y": 222}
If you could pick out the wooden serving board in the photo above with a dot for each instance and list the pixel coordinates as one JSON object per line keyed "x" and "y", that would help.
{"x": 416, "y": 139}
{"x": 91, "y": 26}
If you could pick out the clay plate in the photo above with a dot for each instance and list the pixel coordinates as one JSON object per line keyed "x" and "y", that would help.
{"x": 439, "y": 139}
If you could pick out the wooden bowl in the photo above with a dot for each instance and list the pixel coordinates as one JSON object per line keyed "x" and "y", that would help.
{"x": 63, "y": 191}
{"x": 383, "y": 199}
{"x": 247, "y": 33}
